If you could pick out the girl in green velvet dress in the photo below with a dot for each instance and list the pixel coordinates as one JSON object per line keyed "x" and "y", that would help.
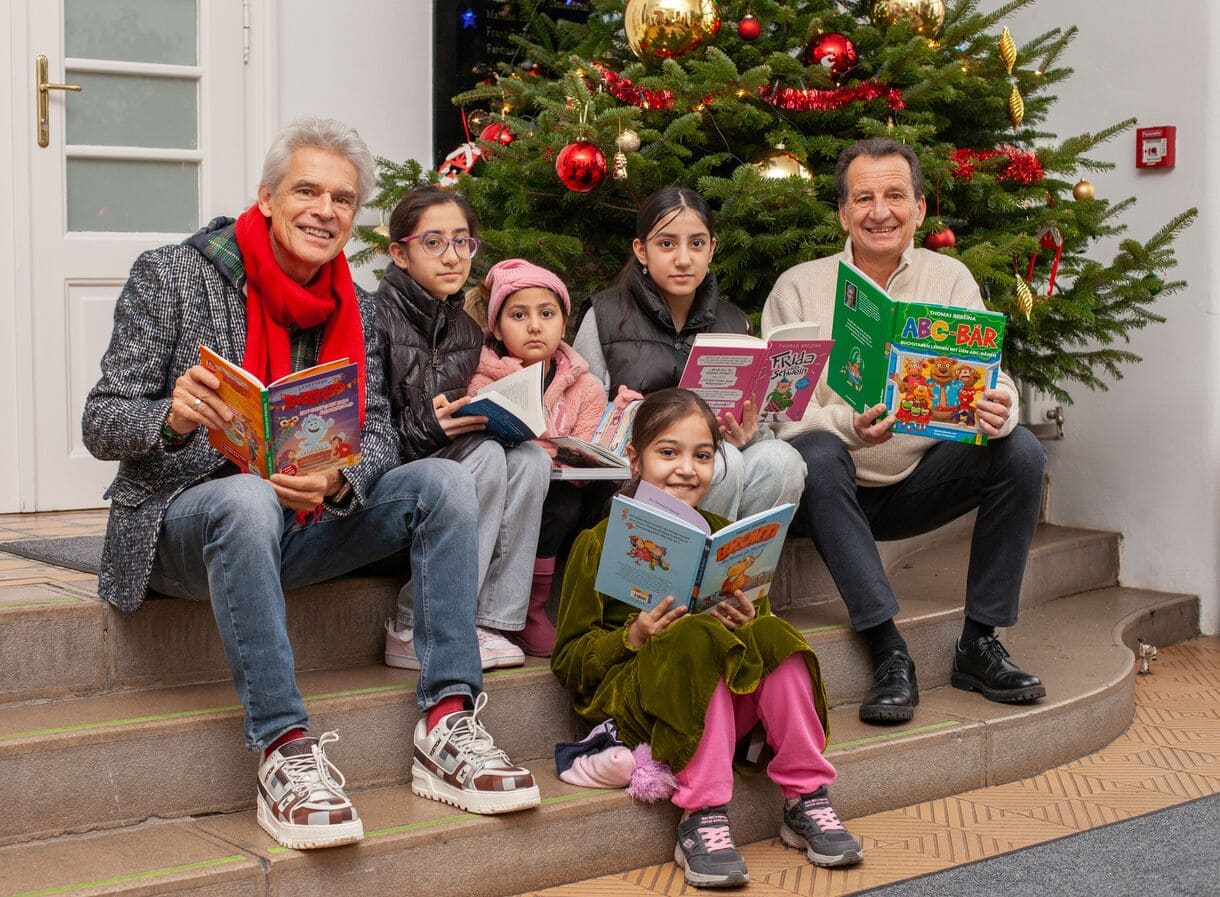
{"x": 694, "y": 686}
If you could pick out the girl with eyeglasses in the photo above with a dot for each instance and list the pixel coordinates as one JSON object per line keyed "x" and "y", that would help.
{"x": 637, "y": 334}
{"x": 431, "y": 350}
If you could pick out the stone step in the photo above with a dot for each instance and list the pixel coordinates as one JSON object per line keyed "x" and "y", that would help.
{"x": 1079, "y": 644}
{"x": 61, "y": 641}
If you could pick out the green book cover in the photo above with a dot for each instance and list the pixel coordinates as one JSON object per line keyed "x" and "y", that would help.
{"x": 928, "y": 363}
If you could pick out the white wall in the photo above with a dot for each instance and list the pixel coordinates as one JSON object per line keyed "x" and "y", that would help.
{"x": 1144, "y": 458}
{"x": 368, "y": 63}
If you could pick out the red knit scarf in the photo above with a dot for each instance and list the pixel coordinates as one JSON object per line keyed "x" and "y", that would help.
{"x": 275, "y": 302}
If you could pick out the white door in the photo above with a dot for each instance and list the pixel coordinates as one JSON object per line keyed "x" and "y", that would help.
{"x": 152, "y": 146}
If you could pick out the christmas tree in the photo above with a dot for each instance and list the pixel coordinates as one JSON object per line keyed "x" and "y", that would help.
{"x": 751, "y": 102}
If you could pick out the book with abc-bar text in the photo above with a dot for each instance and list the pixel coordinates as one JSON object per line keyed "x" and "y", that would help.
{"x": 928, "y": 363}
{"x": 656, "y": 546}
{"x": 779, "y": 373}
{"x": 307, "y": 422}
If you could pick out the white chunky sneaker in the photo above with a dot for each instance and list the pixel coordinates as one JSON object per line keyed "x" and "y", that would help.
{"x": 300, "y": 797}
{"x": 497, "y": 651}
{"x": 458, "y": 763}
{"x": 400, "y": 647}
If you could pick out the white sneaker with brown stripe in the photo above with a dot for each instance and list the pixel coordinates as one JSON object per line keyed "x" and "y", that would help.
{"x": 458, "y": 763}
{"x": 300, "y": 797}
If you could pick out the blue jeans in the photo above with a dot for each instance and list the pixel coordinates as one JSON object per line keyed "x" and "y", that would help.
{"x": 230, "y": 540}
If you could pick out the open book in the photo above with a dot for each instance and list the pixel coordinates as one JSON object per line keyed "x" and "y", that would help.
{"x": 307, "y": 422}
{"x": 603, "y": 458}
{"x": 779, "y": 373}
{"x": 658, "y": 546}
{"x": 928, "y": 363}
{"x": 513, "y": 406}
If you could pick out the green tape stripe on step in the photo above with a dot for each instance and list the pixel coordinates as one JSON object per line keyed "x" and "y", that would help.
{"x": 41, "y": 602}
{"x": 448, "y": 820}
{"x": 132, "y": 876}
{"x": 890, "y": 736}
{"x": 816, "y": 629}
{"x": 185, "y": 714}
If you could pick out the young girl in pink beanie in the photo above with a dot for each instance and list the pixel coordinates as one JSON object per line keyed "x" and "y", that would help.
{"x": 527, "y": 308}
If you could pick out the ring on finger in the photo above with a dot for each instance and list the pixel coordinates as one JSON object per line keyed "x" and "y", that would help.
{"x": 198, "y": 402}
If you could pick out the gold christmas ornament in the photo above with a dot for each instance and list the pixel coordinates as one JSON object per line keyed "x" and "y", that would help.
{"x": 660, "y": 29}
{"x": 1025, "y": 298}
{"x": 628, "y": 141}
{"x": 381, "y": 230}
{"x": 620, "y": 166}
{"x": 1008, "y": 50}
{"x": 1083, "y": 189}
{"x": 927, "y": 17}
{"x": 779, "y": 164}
{"x": 1016, "y": 107}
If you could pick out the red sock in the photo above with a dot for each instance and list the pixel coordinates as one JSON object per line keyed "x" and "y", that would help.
{"x": 290, "y": 735}
{"x": 445, "y": 706}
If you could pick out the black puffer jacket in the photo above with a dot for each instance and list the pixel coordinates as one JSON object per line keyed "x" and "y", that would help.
{"x": 636, "y": 331}
{"x": 428, "y": 347}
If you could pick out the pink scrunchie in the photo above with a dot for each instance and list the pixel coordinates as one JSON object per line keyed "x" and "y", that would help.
{"x": 510, "y": 275}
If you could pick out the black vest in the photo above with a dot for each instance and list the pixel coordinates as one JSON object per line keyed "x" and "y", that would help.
{"x": 642, "y": 349}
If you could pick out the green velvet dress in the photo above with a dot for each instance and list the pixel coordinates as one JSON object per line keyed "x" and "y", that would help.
{"x": 660, "y": 693}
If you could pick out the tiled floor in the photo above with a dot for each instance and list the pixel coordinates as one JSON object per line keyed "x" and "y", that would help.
{"x": 22, "y": 581}
{"x": 1170, "y": 754}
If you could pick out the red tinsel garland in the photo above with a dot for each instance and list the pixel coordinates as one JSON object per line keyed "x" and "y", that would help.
{"x": 792, "y": 99}
{"x": 795, "y": 99}
{"x": 1023, "y": 166}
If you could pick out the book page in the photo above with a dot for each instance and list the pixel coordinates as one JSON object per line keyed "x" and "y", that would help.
{"x": 648, "y": 494}
{"x": 647, "y": 556}
{"x": 795, "y": 330}
{"x": 523, "y": 391}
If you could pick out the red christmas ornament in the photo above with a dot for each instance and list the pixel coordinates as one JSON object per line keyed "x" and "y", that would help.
{"x": 581, "y": 166}
{"x": 833, "y": 52}
{"x": 940, "y": 239}
{"x": 497, "y": 132}
{"x": 749, "y": 28}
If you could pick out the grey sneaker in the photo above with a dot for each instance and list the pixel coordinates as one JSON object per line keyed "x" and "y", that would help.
{"x": 706, "y": 852}
{"x": 811, "y": 823}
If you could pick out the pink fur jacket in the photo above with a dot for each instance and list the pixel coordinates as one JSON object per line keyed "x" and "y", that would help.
{"x": 574, "y": 401}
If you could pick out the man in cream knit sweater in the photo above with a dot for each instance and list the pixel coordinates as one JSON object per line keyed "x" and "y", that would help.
{"x": 865, "y": 483}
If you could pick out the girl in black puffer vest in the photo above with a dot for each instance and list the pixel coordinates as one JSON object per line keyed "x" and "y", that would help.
{"x": 637, "y": 334}
{"x": 431, "y": 350}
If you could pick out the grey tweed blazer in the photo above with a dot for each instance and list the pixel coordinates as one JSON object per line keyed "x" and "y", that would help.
{"x": 174, "y": 300}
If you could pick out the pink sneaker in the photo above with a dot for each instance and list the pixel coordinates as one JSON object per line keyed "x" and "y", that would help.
{"x": 497, "y": 651}
{"x": 400, "y": 647}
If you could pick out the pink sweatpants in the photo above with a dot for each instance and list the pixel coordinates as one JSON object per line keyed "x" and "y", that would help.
{"x": 783, "y": 702}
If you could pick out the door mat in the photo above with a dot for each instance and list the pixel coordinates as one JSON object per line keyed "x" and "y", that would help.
{"x": 83, "y": 553}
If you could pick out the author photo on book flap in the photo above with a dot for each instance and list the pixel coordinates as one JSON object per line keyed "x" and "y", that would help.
{"x": 697, "y": 686}
{"x": 912, "y": 424}
{"x": 638, "y": 334}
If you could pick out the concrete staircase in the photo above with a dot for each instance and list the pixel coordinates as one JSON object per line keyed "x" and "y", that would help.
{"x": 123, "y": 769}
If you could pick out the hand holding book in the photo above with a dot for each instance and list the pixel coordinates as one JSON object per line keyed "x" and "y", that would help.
{"x": 649, "y": 623}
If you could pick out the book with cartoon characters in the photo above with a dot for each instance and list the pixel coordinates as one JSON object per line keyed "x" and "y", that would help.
{"x": 928, "y": 363}
{"x": 307, "y": 422}
{"x": 779, "y": 373}
{"x": 658, "y": 546}
{"x": 602, "y": 458}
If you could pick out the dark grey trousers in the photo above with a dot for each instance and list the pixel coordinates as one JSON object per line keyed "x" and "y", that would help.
{"x": 1003, "y": 479}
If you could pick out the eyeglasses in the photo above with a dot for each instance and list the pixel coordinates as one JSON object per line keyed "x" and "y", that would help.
{"x": 434, "y": 243}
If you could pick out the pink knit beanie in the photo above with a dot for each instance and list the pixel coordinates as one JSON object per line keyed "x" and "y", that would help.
{"x": 510, "y": 275}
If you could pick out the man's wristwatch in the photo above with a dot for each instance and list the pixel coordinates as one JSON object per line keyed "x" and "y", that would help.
{"x": 341, "y": 497}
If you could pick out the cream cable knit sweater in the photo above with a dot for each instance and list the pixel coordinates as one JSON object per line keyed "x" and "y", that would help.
{"x": 806, "y": 293}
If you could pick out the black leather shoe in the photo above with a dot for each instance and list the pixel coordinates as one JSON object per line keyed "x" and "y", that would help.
{"x": 894, "y": 693}
{"x": 983, "y": 666}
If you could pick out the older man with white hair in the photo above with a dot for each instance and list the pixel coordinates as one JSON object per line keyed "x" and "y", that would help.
{"x": 272, "y": 291}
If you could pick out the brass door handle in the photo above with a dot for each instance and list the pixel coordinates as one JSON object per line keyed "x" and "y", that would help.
{"x": 44, "y": 87}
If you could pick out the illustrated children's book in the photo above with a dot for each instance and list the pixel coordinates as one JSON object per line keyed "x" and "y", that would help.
{"x": 779, "y": 373}
{"x": 513, "y": 406}
{"x": 605, "y": 457}
{"x": 307, "y": 422}
{"x": 657, "y": 546}
{"x": 928, "y": 363}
